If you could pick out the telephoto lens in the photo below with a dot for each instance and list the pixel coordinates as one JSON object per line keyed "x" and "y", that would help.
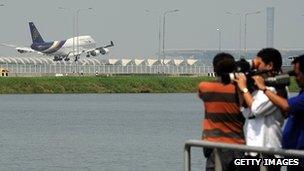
{"x": 279, "y": 80}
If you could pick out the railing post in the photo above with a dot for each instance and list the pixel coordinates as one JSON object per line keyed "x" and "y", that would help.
{"x": 187, "y": 157}
{"x": 262, "y": 167}
{"x": 217, "y": 160}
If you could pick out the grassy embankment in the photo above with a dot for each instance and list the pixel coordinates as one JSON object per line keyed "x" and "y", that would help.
{"x": 113, "y": 84}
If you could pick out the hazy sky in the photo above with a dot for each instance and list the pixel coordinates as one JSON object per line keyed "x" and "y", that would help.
{"x": 135, "y": 32}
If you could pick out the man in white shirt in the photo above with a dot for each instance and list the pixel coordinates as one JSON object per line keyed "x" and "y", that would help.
{"x": 264, "y": 119}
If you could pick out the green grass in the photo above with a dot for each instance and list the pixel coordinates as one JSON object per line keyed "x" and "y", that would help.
{"x": 293, "y": 85}
{"x": 112, "y": 84}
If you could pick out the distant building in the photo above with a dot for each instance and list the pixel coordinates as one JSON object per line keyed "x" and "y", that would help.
{"x": 4, "y": 72}
{"x": 205, "y": 56}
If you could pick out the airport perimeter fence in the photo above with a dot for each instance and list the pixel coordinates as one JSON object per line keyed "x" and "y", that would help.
{"x": 78, "y": 69}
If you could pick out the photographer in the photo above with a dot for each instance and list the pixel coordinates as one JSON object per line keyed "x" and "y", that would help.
{"x": 293, "y": 134}
{"x": 223, "y": 120}
{"x": 263, "y": 119}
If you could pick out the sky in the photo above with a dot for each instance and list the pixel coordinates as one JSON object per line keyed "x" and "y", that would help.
{"x": 134, "y": 31}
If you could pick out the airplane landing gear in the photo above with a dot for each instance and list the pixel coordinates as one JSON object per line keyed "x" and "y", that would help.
{"x": 76, "y": 58}
{"x": 57, "y": 58}
{"x": 88, "y": 54}
{"x": 65, "y": 58}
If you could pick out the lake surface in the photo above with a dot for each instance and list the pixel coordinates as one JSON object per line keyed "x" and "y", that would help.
{"x": 99, "y": 131}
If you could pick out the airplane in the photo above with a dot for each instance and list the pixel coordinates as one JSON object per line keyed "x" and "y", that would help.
{"x": 64, "y": 49}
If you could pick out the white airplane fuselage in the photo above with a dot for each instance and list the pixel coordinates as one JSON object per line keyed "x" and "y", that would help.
{"x": 66, "y": 47}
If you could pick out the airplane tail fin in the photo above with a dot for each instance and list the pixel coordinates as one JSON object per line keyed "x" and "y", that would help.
{"x": 36, "y": 37}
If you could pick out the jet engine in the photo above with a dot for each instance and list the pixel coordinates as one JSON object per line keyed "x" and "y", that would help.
{"x": 104, "y": 51}
{"x": 24, "y": 50}
{"x": 95, "y": 52}
{"x": 21, "y": 51}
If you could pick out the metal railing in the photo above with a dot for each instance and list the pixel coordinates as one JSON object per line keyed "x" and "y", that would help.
{"x": 29, "y": 69}
{"x": 74, "y": 69}
{"x": 262, "y": 150}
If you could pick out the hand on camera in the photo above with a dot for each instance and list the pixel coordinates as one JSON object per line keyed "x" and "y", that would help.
{"x": 241, "y": 80}
{"x": 259, "y": 82}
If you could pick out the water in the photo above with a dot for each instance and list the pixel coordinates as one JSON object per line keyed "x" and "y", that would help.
{"x": 99, "y": 131}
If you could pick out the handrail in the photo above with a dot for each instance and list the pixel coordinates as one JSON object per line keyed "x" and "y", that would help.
{"x": 263, "y": 150}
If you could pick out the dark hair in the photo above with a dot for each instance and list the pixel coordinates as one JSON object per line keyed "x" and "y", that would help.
{"x": 223, "y": 63}
{"x": 300, "y": 60}
{"x": 271, "y": 55}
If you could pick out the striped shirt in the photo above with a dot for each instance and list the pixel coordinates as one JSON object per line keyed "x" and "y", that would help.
{"x": 223, "y": 120}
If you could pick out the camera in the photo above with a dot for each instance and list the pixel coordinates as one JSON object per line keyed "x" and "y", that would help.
{"x": 240, "y": 66}
{"x": 282, "y": 80}
{"x": 246, "y": 67}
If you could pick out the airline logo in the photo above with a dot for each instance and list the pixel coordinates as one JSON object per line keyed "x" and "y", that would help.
{"x": 54, "y": 47}
{"x": 35, "y": 34}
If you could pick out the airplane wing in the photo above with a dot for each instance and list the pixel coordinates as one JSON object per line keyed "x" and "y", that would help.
{"x": 110, "y": 45}
{"x": 99, "y": 50}
{"x": 20, "y": 49}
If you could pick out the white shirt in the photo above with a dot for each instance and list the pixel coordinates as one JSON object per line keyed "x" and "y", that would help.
{"x": 265, "y": 129}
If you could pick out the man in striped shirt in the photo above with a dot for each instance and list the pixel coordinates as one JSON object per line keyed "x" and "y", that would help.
{"x": 223, "y": 120}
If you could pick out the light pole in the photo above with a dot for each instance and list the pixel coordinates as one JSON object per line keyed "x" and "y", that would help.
{"x": 245, "y": 29}
{"x": 240, "y": 29}
{"x": 164, "y": 28}
{"x": 62, "y": 8}
{"x": 77, "y": 26}
{"x": 159, "y": 34}
{"x": 220, "y": 38}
